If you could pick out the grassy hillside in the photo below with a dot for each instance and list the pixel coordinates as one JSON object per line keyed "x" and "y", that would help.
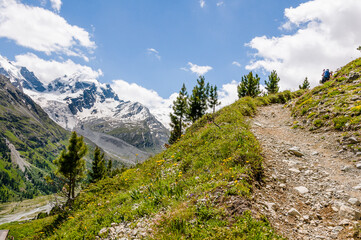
{"x": 37, "y": 139}
{"x": 335, "y": 105}
{"x": 199, "y": 188}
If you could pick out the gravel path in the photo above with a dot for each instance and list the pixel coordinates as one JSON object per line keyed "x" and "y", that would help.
{"x": 312, "y": 184}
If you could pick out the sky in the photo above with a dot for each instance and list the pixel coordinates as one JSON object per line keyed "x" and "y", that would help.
{"x": 147, "y": 49}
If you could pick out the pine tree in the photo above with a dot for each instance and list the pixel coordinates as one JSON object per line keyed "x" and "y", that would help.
{"x": 249, "y": 86}
{"x": 305, "y": 85}
{"x": 213, "y": 98}
{"x": 178, "y": 117}
{"x": 71, "y": 164}
{"x": 98, "y": 166}
{"x": 198, "y": 100}
{"x": 272, "y": 83}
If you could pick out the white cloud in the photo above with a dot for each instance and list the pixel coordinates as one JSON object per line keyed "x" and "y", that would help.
{"x": 220, "y": 4}
{"x": 56, "y": 5}
{"x": 47, "y": 71}
{"x": 42, "y": 30}
{"x": 325, "y": 36}
{"x": 202, "y": 3}
{"x": 199, "y": 70}
{"x": 236, "y": 64}
{"x": 157, "y": 105}
{"x": 153, "y": 52}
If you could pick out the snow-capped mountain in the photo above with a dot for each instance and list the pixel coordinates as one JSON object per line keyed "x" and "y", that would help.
{"x": 80, "y": 103}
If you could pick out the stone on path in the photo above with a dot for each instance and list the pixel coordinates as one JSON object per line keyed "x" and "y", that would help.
{"x": 295, "y": 170}
{"x": 301, "y": 189}
{"x": 358, "y": 165}
{"x": 358, "y": 187}
{"x": 349, "y": 213}
{"x": 346, "y": 168}
{"x": 354, "y": 201}
{"x": 296, "y": 151}
{"x": 293, "y": 212}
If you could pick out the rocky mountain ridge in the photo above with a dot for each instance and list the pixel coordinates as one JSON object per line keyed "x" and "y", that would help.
{"x": 81, "y": 103}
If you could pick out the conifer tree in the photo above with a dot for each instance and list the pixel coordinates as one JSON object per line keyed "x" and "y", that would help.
{"x": 305, "y": 85}
{"x": 109, "y": 168}
{"x": 178, "y": 117}
{"x": 213, "y": 98}
{"x": 198, "y": 100}
{"x": 272, "y": 83}
{"x": 249, "y": 86}
{"x": 98, "y": 166}
{"x": 71, "y": 165}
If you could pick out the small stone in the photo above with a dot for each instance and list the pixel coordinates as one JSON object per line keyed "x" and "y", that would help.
{"x": 344, "y": 222}
{"x": 349, "y": 213}
{"x": 293, "y": 212}
{"x": 103, "y": 230}
{"x": 358, "y": 187}
{"x": 358, "y": 165}
{"x": 295, "y": 151}
{"x": 301, "y": 189}
{"x": 282, "y": 185}
{"x": 346, "y": 168}
{"x": 113, "y": 224}
{"x": 295, "y": 170}
{"x": 354, "y": 201}
{"x": 314, "y": 153}
{"x": 358, "y": 154}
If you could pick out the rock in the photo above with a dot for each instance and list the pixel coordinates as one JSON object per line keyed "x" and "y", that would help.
{"x": 314, "y": 153}
{"x": 293, "y": 212}
{"x": 353, "y": 76}
{"x": 346, "y": 168}
{"x": 103, "y": 230}
{"x": 282, "y": 185}
{"x": 354, "y": 201}
{"x": 301, "y": 189}
{"x": 295, "y": 170}
{"x": 344, "y": 222}
{"x": 349, "y": 213}
{"x": 358, "y": 154}
{"x": 295, "y": 151}
{"x": 358, "y": 187}
{"x": 358, "y": 165}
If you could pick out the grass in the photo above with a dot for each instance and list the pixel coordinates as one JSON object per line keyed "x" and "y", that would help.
{"x": 332, "y": 105}
{"x": 187, "y": 191}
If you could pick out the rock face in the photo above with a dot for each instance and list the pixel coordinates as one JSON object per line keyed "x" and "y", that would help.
{"x": 79, "y": 102}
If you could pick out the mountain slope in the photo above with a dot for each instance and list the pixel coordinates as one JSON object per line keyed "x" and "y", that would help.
{"x": 29, "y": 141}
{"x": 334, "y": 105}
{"x": 199, "y": 188}
{"x": 81, "y": 102}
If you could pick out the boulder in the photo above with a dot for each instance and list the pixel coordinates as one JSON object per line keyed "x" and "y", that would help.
{"x": 354, "y": 201}
{"x": 293, "y": 212}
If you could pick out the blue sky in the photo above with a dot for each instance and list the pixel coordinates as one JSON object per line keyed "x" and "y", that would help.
{"x": 147, "y": 49}
{"x": 180, "y": 31}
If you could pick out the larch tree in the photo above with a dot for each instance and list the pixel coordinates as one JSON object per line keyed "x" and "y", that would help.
{"x": 249, "y": 86}
{"x": 179, "y": 115}
{"x": 213, "y": 98}
{"x": 198, "y": 100}
{"x": 305, "y": 85}
{"x": 71, "y": 165}
{"x": 98, "y": 166}
{"x": 272, "y": 83}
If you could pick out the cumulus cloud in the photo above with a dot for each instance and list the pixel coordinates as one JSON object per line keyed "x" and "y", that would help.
{"x": 160, "y": 107}
{"x": 42, "y": 30}
{"x": 199, "y": 70}
{"x": 202, "y": 3}
{"x": 47, "y": 71}
{"x": 56, "y": 5}
{"x": 153, "y": 52}
{"x": 324, "y": 35}
{"x": 236, "y": 64}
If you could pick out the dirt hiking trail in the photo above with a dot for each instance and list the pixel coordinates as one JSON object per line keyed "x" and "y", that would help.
{"x": 313, "y": 185}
